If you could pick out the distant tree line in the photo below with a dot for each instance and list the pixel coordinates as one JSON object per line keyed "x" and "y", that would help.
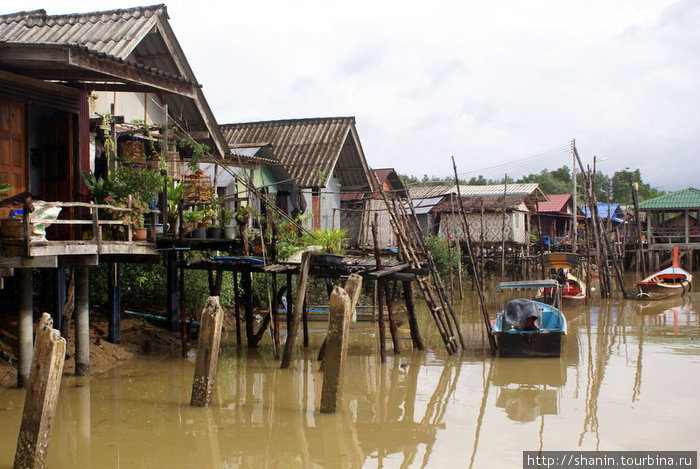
{"x": 558, "y": 181}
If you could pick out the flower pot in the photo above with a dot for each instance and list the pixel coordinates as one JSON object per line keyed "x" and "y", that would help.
{"x": 140, "y": 234}
{"x": 230, "y": 232}
{"x": 215, "y": 232}
{"x": 326, "y": 259}
{"x": 198, "y": 233}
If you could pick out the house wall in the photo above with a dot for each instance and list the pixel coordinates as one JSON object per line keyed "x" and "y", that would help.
{"x": 385, "y": 232}
{"x": 515, "y": 226}
{"x": 142, "y": 106}
{"x": 330, "y": 200}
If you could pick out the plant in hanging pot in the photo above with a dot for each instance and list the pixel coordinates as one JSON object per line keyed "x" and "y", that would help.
{"x": 331, "y": 245}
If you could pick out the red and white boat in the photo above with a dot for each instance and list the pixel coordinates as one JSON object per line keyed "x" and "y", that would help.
{"x": 666, "y": 283}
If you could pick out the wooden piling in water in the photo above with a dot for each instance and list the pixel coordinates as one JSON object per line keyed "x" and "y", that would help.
{"x": 207, "y": 362}
{"x": 237, "y": 308}
{"x": 82, "y": 322}
{"x": 393, "y": 329}
{"x": 42, "y": 395}
{"x": 294, "y": 325}
{"x": 24, "y": 325}
{"x": 336, "y": 348}
{"x": 411, "y": 311}
{"x": 247, "y": 284}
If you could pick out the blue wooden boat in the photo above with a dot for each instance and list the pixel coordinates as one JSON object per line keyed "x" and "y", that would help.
{"x": 529, "y": 328}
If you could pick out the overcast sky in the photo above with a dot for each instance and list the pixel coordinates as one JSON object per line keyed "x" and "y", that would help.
{"x": 489, "y": 82}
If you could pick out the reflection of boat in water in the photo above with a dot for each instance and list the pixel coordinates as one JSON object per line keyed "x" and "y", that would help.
{"x": 528, "y": 328}
{"x": 528, "y": 388}
{"x": 666, "y": 283}
{"x": 653, "y": 308}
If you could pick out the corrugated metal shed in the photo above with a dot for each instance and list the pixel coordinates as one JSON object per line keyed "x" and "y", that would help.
{"x": 312, "y": 150}
{"x": 686, "y": 199}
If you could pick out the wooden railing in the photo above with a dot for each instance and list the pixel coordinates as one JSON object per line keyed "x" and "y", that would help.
{"x": 675, "y": 235}
{"x": 97, "y": 224}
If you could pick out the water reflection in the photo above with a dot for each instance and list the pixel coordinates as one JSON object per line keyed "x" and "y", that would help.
{"x": 624, "y": 364}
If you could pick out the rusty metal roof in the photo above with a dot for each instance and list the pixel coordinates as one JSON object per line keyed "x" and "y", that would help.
{"x": 312, "y": 150}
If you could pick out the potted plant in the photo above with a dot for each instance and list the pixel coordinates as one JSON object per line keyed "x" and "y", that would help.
{"x": 191, "y": 219}
{"x": 211, "y": 217}
{"x": 331, "y": 245}
{"x": 227, "y": 219}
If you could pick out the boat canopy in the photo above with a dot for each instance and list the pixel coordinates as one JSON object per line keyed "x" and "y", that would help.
{"x": 528, "y": 284}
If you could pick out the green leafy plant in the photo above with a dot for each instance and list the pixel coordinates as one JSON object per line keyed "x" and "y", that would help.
{"x": 243, "y": 214}
{"x": 227, "y": 216}
{"x": 195, "y": 149}
{"x": 4, "y": 188}
{"x": 141, "y": 183}
{"x": 192, "y": 217}
{"x": 331, "y": 241}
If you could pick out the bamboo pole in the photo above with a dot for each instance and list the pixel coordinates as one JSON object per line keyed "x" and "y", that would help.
{"x": 477, "y": 279}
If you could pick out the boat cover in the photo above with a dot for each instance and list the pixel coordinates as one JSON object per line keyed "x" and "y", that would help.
{"x": 522, "y": 314}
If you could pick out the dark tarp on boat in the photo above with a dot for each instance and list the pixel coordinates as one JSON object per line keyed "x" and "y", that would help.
{"x": 522, "y": 314}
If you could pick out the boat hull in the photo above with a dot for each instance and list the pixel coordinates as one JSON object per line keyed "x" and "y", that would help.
{"x": 659, "y": 291}
{"x": 529, "y": 344}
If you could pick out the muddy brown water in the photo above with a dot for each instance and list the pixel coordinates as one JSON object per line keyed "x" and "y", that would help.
{"x": 628, "y": 380}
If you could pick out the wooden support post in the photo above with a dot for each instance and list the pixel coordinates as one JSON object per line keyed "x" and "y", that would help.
{"x": 82, "y": 321}
{"x": 42, "y": 396}
{"x": 336, "y": 349}
{"x": 275, "y": 318}
{"x": 25, "y": 325}
{"x": 173, "y": 301}
{"x": 290, "y": 301}
{"x": 237, "y": 308}
{"x": 181, "y": 308}
{"x": 247, "y": 283}
{"x": 206, "y": 364}
{"x": 59, "y": 295}
{"x": 305, "y": 321}
{"x": 301, "y": 294}
{"x": 393, "y": 329}
{"x": 353, "y": 287}
{"x": 411, "y": 312}
{"x": 382, "y": 327}
{"x": 114, "y": 293}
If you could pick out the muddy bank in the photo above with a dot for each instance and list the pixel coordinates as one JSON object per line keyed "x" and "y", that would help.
{"x": 138, "y": 337}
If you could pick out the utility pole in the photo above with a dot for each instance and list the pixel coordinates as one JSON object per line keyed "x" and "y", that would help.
{"x": 574, "y": 237}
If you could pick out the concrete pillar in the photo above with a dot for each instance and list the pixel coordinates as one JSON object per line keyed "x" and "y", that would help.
{"x": 25, "y": 325}
{"x": 82, "y": 323}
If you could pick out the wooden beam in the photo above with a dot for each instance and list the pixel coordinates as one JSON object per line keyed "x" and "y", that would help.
{"x": 207, "y": 362}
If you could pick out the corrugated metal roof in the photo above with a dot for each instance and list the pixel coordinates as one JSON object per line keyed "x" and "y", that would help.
{"x": 311, "y": 149}
{"x": 530, "y": 189}
{"x": 122, "y": 34}
{"x": 476, "y": 203}
{"x": 605, "y": 210}
{"x": 684, "y": 199}
{"x": 556, "y": 203}
{"x": 111, "y": 32}
{"x": 424, "y": 205}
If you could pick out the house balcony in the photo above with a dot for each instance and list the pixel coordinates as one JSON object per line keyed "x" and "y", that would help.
{"x": 81, "y": 239}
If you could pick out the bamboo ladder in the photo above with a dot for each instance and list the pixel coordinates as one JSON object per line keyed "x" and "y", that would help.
{"x": 412, "y": 248}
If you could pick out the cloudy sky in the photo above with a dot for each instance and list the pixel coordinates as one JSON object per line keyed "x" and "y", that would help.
{"x": 490, "y": 82}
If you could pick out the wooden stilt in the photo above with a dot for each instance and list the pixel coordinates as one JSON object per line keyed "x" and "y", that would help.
{"x": 69, "y": 305}
{"x": 82, "y": 322}
{"x": 114, "y": 294}
{"x": 181, "y": 308}
{"x": 206, "y": 364}
{"x": 25, "y": 325}
{"x": 336, "y": 349}
{"x": 301, "y": 294}
{"x": 380, "y": 323}
{"x": 247, "y": 284}
{"x": 392, "y": 320}
{"x": 411, "y": 311}
{"x": 290, "y": 301}
{"x": 173, "y": 292}
{"x": 59, "y": 295}
{"x": 42, "y": 396}
{"x": 275, "y": 318}
{"x": 236, "y": 308}
{"x": 305, "y": 321}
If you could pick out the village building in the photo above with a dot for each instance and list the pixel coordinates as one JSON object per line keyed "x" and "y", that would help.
{"x": 323, "y": 156}
{"x": 672, "y": 220}
{"x": 495, "y": 213}
{"x": 360, "y": 210}
{"x": 58, "y": 73}
{"x": 554, "y": 217}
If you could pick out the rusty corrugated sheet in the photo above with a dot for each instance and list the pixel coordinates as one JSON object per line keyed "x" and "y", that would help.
{"x": 311, "y": 149}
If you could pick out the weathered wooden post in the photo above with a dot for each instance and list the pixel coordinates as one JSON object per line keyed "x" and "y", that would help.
{"x": 411, "y": 311}
{"x": 42, "y": 396}
{"x": 336, "y": 349}
{"x": 82, "y": 321}
{"x": 207, "y": 361}
{"x": 294, "y": 324}
{"x": 24, "y": 325}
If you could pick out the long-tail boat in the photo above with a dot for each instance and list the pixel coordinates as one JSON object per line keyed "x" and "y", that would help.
{"x": 666, "y": 283}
